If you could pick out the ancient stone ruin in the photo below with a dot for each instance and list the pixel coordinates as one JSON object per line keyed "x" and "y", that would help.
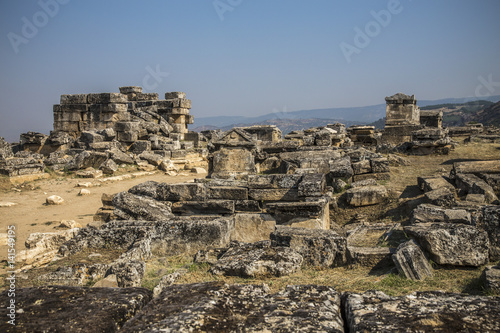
{"x": 269, "y": 207}
{"x": 406, "y": 123}
{"x": 100, "y": 132}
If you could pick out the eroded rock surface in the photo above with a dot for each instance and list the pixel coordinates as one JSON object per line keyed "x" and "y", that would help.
{"x": 257, "y": 259}
{"x": 374, "y": 311}
{"x": 217, "y": 307}
{"x": 73, "y": 309}
{"x": 452, "y": 244}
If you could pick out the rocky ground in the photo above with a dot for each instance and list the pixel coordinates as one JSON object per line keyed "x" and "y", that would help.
{"x": 31, "y": 214}
{"x": 208, "y": 296}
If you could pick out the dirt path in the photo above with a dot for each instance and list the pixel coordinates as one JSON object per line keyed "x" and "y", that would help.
{"x": 30, "y": 214}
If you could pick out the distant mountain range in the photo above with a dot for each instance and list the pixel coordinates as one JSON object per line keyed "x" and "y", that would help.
{"x": 297, "y": 120}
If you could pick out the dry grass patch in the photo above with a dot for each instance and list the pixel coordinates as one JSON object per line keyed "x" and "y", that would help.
{"x": 353, "y": 279}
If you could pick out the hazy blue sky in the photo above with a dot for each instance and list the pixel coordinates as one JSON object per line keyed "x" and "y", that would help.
{"x": 243, "y": 57}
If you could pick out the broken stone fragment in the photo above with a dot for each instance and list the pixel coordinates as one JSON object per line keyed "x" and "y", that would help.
{"x": 109, "y": 167}
{"x": 129, "y": 206}
{"x": 411, "y": 262}
{"x": 491, "y": 278}
{"x": 54, "y": 200}
{"x": 257, "y": 259}
{"x": 69, "y": 224}
{"x": 83, "y": 192}
{"x": 323, "y": 248}
{"x": 452, "y": 243}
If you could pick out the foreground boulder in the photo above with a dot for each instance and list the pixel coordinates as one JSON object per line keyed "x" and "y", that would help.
{"x": 72, "y": 309}
{"x": 452, "y": 244}
{"x": 218, "y": 307}
{"x": 257, "y": 259}
{"x": 374, "y": 311}
{"x": 411, "y": 262}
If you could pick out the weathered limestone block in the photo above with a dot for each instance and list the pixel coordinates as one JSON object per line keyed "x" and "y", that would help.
{"x": 87, "y": 159}
{"x": 441, "y": 197}
{"x": 182, "y": 192}
{"x": 174, "y": 95}
{"x": 21, "y": 166}
{"x": 104, "y": 98}
{"x": 374, "y": 311}
{"x": 309, "y": 214}
{"x": 151, "y": 158}
{"x": 129, "y": 273}
{"x": 74, "y": 275}
{"x": 5, "y": 149}
{"x": 476, "y": 167}
{"x": 341, "y": 168}
{"x": 318, "y": 247}
{"x": 42, "y": 247}
{"x": 426, "y": 213}
{"x": 493, "y": 180}
{"x": 172, "y": 236}
{"x": 366, "y": 195}
{"x": 147, "y": 189}
{"x": 140, "y": 146}
{"x": 362, "y": 167}
{"x": 491, "y": 278}
{"x": 247, "y": 206}
{"x": 469, "y": 183}
{"x": 364, "y": 182}
{"x": 452, "y": 244}
{"x": 91, "y": 137}
{"x": 207, "y": 207}
{"x": 218, "y": 307}
{"x": 73, "y": 309}
{"x": 257, "y": 259}
{"x": 278, "y": 181}
{"x": 427, "y": 184}
{"x": 279, "y": 194}
{"x": 74, "y": 99}
{"x": 491, "y": 224}
{"x": 370, "y": 256}
{"x": 120, "y": 157}
{"x": 133, "y": 207}
{"x": 227, "y": 192}
{"x": 109, "y": 167}
{"x": 380, "y": 165}
{"x": 232, "y": 162}
{"x": 312, "y": 185}
{"x": 251, "y": 228}
{"x": 411, "y": 262}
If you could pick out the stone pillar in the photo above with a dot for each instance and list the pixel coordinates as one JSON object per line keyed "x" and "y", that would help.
{"x": 402, "y": 118}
